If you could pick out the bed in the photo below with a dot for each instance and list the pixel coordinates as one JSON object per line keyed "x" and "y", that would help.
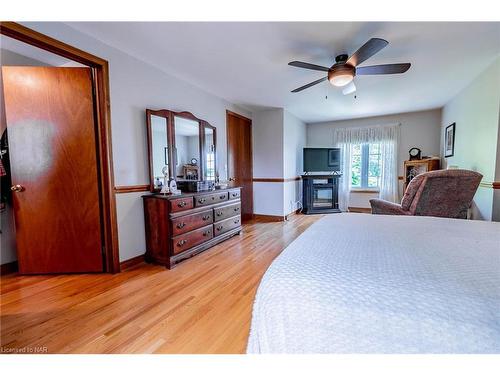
{"x": 357, "y": 283}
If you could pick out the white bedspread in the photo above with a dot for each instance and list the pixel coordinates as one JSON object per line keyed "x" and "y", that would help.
{"x": 357, "y": 283}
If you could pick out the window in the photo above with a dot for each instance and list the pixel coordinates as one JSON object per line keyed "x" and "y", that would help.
{"x": 366, "y": 162}
{"x": 210, "y": 166}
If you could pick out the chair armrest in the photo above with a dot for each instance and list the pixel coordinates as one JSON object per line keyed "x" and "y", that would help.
{"x": 382, "y": 207}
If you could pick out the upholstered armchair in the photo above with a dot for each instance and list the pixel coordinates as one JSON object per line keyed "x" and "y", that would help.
{"x": 442, "y": 193}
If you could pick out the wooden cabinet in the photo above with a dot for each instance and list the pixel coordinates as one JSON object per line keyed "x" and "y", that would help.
{"x": 413, "y": 168}
{"x": 320, "y": 193}
{"x": 180, "y": 226}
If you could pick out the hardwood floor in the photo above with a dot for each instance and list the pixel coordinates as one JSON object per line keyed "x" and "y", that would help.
{"x": 201, "y": 306}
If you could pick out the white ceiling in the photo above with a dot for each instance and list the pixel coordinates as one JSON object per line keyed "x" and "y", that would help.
{"x": 246, "y": 63}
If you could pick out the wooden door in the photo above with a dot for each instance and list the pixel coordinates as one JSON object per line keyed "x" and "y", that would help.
{"x": 239, "y": 159}
{"x": 53, "y": 156}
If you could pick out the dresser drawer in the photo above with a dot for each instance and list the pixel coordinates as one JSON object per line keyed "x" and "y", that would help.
{"x": 207, "y": 199}
{"x": 226, "y": 225}
{"x": 181, "y": 204}
{"x": 225, "y": 212}
{"x": 187, "y": 223}
{"x": 234, "y": 194}
{"x": 190, "y": 239}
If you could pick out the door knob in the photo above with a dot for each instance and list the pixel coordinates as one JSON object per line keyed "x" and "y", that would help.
{"x": 17, "y": 188}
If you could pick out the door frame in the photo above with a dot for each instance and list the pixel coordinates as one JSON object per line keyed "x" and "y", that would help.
{"x": 231, "y": 113}
{"x": 100, "y": 74}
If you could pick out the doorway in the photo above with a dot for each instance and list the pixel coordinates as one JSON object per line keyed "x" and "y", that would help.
{"x": 239, "y": 159}
{"x": 98, "y": 229}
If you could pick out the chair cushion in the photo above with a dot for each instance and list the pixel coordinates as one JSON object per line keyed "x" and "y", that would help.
{"x": 411, "y": 191}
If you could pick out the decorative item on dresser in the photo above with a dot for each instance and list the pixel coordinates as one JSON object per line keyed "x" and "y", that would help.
{"x": 413, "y": 168}
{"x": 180, "y": 226}
{"x": 415, "y": 153}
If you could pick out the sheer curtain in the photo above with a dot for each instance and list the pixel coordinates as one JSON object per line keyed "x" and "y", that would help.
{"x": 345, "y": 180}
{"x": 388, "y": 138}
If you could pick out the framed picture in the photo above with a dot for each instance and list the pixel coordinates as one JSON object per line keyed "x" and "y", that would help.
{"x": 333, "y": 157}
{"x": 449, "y": 140}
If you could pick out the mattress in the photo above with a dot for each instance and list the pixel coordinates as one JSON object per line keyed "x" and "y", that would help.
{"x": 357, "y": 283}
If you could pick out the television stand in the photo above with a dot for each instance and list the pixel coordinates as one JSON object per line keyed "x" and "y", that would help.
{"x": 320, "y": 192}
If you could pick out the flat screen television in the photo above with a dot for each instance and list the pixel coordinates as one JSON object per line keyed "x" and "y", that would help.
{"x": 321, "y": 159}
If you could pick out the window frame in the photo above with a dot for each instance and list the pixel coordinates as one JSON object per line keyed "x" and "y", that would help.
{"x": 365, "y": 163}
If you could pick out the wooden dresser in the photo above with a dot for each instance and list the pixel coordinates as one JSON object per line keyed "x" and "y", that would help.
{"x": 180, "y": 226}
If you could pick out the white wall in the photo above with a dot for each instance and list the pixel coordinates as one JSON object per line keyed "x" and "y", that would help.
{"x": 267, "y": 134}
{"x": 475, "y": 110}
{"x": 267, "y": 137}
{"x": 135, "y": 86}
{"x": 418, "y": 129}
{"x": 496, "y": 193}
{"x": 294, "y": 141}
{"x": 278, "y": 140}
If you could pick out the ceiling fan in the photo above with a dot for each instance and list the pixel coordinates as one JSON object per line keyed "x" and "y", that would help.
{"x": 342, "y": 73}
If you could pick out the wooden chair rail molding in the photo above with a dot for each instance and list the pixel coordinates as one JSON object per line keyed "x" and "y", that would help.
{"x": 491, "y": 185}
{"x": 258, "y": 179}
{"x": 131, "y": 189}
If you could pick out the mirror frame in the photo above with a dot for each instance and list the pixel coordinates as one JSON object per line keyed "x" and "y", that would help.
{"x": 167, "y": 115}
{"x": 172, "y": 149}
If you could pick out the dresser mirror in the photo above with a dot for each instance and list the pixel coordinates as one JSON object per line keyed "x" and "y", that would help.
{"x": 159, "y": 152}
{"x": 187, "y": 149}
{"x": 181, "y": 146}
{"x": 209, "y": 172}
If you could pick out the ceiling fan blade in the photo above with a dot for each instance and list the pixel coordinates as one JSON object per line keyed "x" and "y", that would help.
{"x": 383, "y": 69}
{"x": 367, "y": 50}
{"x": 349, "y": 89}
{"x": 300, "y": 64}
{"x": 310, "y": 84}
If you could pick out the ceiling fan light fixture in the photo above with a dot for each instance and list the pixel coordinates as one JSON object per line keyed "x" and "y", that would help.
{"x": 341, "y": 75}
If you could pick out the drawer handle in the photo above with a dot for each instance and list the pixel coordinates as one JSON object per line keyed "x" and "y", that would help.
{"x": 220, "y": 213}
{"x": 236, "y": 221}
{"x": 219, "y": 228}
{"x": 182, "y": 243}
{"x": 236, "y": 209}
{"x": 181, "y": 225}
{"x": 206, "y": 217}
{"x": 181, "y": 204}
{"x": 222, "y": 196}
{"x": 201, "y": 200}
{"x": 206, "y": 233}
{"x": 234, "y": 194}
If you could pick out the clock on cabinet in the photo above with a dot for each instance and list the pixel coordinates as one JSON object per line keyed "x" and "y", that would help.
{"x": 415, "y": 153}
